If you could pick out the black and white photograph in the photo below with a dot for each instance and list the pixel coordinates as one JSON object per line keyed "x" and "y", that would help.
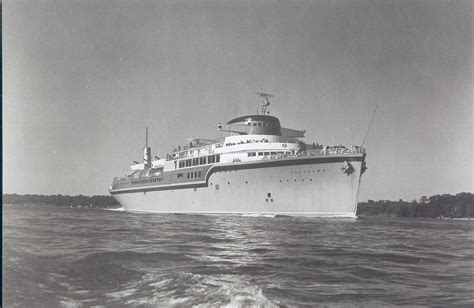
{"x": 237, "y": 153}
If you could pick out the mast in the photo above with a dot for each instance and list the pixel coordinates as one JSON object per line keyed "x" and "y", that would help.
{"x": 265, "y": 101}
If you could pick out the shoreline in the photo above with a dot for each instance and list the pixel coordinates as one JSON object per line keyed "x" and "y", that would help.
{"x": 442, "y": 207}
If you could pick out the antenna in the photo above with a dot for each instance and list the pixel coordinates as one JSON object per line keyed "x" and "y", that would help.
{"x": 370, "y": 124}
{"x": 265, "y": 100}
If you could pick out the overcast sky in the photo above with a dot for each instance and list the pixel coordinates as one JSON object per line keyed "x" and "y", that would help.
{"x": 82, "y": 80}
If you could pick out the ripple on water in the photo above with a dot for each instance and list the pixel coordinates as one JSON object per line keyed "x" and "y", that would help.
{"x": 80, "y": 257}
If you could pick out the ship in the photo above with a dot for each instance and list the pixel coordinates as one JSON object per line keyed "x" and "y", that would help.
{"x": 259, "y": 168}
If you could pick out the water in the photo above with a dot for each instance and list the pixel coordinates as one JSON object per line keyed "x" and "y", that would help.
{"x": 72, "y": 257}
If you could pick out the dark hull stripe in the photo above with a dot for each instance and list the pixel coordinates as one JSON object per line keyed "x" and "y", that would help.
{"x": 262, "y": 164}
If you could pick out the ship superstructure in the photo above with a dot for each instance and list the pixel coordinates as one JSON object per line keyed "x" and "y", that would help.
{"x": 260, "y": 168}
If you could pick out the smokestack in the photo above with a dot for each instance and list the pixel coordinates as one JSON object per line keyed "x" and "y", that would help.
{"x": 147, "y": 152}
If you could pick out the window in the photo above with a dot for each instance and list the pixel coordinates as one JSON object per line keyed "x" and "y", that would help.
{"x": 202, "y": 160}
{"x": 218, "y": 158}
{"x": 195, "y": 174}
{"x": 199, "y": 174}
{"x": 211, "y": 159}
{"x": 249, "y": 154}
{"x": 254, "y": 124}
{"x": 267, "y": 153}
{"x": 195, "y": 161}
{"x": 259, "y": 124}
{"x": 187, "y": 175}
{"x": 180, "y": 175}
{"x": 188, "y": 163}
{"x": 192, "y": 175}
{"x": 260, "y": 153}
{"x": 273, "y": 153}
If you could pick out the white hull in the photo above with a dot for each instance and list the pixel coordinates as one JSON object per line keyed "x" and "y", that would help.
{"x": 319, "y": 189}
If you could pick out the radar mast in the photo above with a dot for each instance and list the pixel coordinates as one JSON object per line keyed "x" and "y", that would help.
{"x": 265, "y": 101}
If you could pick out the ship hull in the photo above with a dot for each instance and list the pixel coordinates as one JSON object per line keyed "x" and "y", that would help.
{"x": 308, "y": 188}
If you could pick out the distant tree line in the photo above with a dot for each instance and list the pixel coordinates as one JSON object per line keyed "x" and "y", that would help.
{"x": 451, "y": 206}
{"x": 62, "y": 200}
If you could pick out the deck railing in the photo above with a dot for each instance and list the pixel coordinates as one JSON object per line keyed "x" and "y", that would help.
{"x": 317, "y": 152}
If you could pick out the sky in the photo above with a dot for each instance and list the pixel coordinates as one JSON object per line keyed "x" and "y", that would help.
{"x": 82, "y": 80}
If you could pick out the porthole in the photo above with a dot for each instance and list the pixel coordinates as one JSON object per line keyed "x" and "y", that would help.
{"x": 302, "y": 180}
{"x": 246, "y": 182}
{"x": 310, "y": 180}
{"x": 280, "y": 181}
{"x": 295, "y": 180}
{"x": 269, "y": 195}
{"x": 228, "y": 183}
{"x": 266, "y": 200}
{"x": 271, "y": 200}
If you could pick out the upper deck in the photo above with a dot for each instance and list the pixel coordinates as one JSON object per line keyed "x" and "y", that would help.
{"x": 193, "y": 171}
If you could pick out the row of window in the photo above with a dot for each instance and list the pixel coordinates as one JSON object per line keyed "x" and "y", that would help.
{"x": 190, "y": 175}
{"x": 250, "y": 154}
{"x": 210, "y": 159}
{"x": 147, "y": 181}
{"x": 260, "y": 124}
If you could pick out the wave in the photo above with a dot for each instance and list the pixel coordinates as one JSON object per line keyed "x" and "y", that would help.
{"x": 182, "y": 288}
{"x": 256, "y": 215}
{"x": 125, "y": 257}
{"x": 119, "y": 209}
